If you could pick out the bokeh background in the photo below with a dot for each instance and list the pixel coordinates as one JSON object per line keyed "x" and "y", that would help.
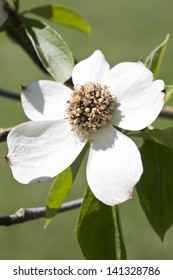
{"x": 124, "y": 31}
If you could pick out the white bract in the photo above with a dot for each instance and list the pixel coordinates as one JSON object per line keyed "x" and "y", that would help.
{"x": 3, "y": 13}
{"x": 64, "y": 120}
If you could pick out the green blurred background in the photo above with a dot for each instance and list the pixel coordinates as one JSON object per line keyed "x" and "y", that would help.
{"x": 124, "y": 30}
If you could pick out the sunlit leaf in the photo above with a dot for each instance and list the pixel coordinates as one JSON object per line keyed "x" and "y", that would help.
{"x": 58, "y": 193}
{"x": 51, "y": 49}
{"x": 169, "y": 93}
{"x": 62, "y": 185}
{"x": 155, "y": 189}
{"x": 98, "y": 230}
{"x": 63, "y": 15}
{"x": 154, "y": 60}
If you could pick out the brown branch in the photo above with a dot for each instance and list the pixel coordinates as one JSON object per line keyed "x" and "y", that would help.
{"x": 29, "y": 214}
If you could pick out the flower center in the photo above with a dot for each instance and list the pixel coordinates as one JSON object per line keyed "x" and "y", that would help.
{"x": 90, "y": 108}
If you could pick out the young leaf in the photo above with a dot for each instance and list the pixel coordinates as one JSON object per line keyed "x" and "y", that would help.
{"x": 51, "y": 49}
{"x": 155, "y": 189}
{"x": 63, "y": 15}
{"x": 169, "y": 93}
{"x": 98, "y": 230}
{"x": 57, "y": 194}
{"x": 154, "y": 60}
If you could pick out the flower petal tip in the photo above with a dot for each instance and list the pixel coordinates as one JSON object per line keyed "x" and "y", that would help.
{"x": 8, "y": 160}
{"x": 130, "y": 196}
{"x": 140, "y": 60}
{"x": 164, "y": 90}
{"x": 127, "y": 198}
{"x": 24, "y": 89}
{"x": 39, "y": 180}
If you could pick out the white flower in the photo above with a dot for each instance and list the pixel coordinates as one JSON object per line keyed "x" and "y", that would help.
{"x": 64, "y": 120}
{"x": 3, "y": 13}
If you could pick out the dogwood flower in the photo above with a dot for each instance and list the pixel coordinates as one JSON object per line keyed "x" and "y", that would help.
{"x": 63, "y": 120}
{"x": 3, "y": 13}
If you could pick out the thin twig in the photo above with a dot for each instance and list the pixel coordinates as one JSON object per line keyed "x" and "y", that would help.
{"x": 167, "y": 112}
{"x": 4, "y": 133}
{"x": 28, "y": 214}
{"x": 9, "y": 94}
{"x": 16, "y": 31}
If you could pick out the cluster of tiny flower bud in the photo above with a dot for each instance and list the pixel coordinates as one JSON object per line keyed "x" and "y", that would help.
{"x": 90, "y": 108}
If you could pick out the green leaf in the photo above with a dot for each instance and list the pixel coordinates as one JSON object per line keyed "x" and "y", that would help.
{"x": 62, "y": 185}
{"x": 78, "y": 161}
{"x": 154, "y": 60}
{"x": 98, "y": 230}
{"x": 169, "y": 93}
{"x": 63, "y": 15}
{"x": 16, "y": 4}
{"x": 58, "y": 193}
{"x": 155, "y": 189}
{"x": 51, "y": 49}
{"x": 163, "y": 137}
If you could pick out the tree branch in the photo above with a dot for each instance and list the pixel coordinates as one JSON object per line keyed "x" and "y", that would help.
{"x": 28, "y": 214}
{"x": 4, "y": 133}
{"x": 167, "y": 112}
{"x": 16, "y": 31}
{"x": 8, "y": 94}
